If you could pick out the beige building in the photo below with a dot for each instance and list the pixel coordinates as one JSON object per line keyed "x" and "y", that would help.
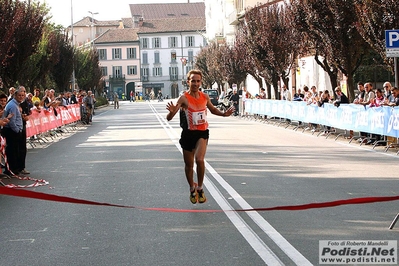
{"x": 119, "y": 57}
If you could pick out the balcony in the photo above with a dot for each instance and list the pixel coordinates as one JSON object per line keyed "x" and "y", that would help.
{"x": 174, "y": 77}
{"x": 144, "y": 78}
{"x": 117, "y": 78}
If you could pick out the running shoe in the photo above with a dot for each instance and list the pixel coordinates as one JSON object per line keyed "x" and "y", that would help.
{"x": 194, "y": 195}
{"x": 201, "y": 196}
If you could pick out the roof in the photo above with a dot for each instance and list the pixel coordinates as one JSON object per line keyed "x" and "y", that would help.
{"x": 89, "y": 21}
{"x": 118, "y": 35}
{"x": 127, "y": 22}
{"x": 172, "y": 25}
{"x": 169, "y": 10}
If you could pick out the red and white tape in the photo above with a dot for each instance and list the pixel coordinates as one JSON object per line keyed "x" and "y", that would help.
{"x": 36, "y": 182}
{"x": 51, "y": 197}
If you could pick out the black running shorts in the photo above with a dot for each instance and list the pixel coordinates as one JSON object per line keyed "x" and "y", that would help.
{"x": 189, "y": 138}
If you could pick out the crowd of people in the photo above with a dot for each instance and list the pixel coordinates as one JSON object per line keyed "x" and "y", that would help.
{"x": 367, "y": 96}
{"x": 15, "y": 111}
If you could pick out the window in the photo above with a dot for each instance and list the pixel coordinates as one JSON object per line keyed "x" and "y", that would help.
{"x": 132, "y": 70}
{"x": 144, "y": 58}
{"x": 144, "y": 43}
{"x": 190, "y": 59}
{"x": 156, "y": 42}
{"x": 174, "y": 73}
{"x": 172, "y": 42}
{"x": 173, "y": 57}
{"x": 102, "y": 54}
{"x": 117, "y": 71}
{"x": 190, "y": 41}
{"x": 144, "y": 74}
{"x": 104, "y": 71}
{"x": 156, "y": 58}
{"x": 131, "y": 53}
{"x": 116, "y": 53}
{"x": 157, "y": 71}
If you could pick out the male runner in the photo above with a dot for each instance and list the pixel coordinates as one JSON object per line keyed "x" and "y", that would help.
{"x": 193, "y": 106}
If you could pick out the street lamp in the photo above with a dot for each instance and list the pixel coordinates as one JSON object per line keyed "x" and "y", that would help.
{"x": 92, "y": 24}
{"x": 73, "y": 61}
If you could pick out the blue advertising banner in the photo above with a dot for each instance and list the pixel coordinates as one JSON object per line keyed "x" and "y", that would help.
{"x": 377, "y": 120}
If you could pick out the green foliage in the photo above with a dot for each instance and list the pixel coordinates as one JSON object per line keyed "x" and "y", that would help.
{"x": 87, "y": 69}
{"x": 376, "y": 16}
{"x": 101, "y": 100}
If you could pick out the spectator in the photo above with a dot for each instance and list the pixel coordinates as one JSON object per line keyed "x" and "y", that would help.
{"x": 369, "y": 94}
{"x": 36, "y": 96}
{"x": 62, "y": 99}
{"x": 298, "y": 96}
{"x": 378, "y": 101}
{"x": 359, "y": 98}
{"x": 340, "y": 97}
{"x": 13, "y": 133}
{"x": 11, "y": 92}
{"x": 3, "y": 103}
{"x": 29, "y": 100}
{"x": 116, "y": 100}
{"x": 25, "y": 106}
{"x": 73, "y": 99}
{"x": 388, "y": 95}
{"x": 313, "y": 99}
{"x": 89, "y": 102}
{"x": 262, "y": 93}
{"x": 286, "y": 94}
{"x": 235, "y": 98}
{"x": 36, "y": 106}
{"x": 324, "y": 98}
{"x": 395, "y": 92}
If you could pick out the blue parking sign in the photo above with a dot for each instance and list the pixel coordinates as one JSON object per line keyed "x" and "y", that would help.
{"x": 392, "y": 39}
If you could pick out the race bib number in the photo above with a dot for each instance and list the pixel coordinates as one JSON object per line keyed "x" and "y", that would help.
{"x": 199, "y": 118}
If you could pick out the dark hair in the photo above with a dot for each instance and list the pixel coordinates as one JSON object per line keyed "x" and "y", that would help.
{"x": 360, "y": 83}
{"x": 3, "y": 95}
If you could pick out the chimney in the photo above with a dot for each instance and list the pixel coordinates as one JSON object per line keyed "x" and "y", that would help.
{"x": 141, "y": 21}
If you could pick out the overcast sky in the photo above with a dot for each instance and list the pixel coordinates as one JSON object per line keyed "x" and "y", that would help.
{"x": 107, "y": 10}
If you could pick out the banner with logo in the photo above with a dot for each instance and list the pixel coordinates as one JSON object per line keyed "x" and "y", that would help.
{"x": 45, "y": 120}
{"x": 377, "y": 120}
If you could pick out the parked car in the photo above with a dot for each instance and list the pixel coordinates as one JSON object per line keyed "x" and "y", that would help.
{"x": 213, "y": 95}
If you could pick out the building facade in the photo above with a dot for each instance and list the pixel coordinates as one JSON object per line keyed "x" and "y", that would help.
{"x": 119, "y": 58}
{"x": 170, "y": 37}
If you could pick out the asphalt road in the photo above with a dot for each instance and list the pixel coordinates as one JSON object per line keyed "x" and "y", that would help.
{"x": 130, "y": 156}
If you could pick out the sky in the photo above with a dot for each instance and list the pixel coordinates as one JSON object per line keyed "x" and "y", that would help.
{"x": 106, "y": 9}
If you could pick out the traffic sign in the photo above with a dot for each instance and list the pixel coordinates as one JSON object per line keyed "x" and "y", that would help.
{"x": 392, "y": 39}
{"x": 392, "y": 43}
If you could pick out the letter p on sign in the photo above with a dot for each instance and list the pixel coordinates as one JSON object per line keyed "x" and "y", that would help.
{"x": 392, "y": 38}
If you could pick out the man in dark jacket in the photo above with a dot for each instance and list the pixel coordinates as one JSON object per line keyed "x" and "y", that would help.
{"x": 340, "y": 97}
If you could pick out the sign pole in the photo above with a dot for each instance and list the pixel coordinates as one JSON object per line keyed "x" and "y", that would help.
{"x": 396, "y": 72}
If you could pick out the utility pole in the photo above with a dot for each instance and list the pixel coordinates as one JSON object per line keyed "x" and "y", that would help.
{"x": 92, "y": 25}
{"x": 73, "y": 58}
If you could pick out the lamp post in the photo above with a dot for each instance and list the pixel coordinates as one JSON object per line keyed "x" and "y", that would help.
{"x": 92, "y": 24}
{"x": 73, "y": 61}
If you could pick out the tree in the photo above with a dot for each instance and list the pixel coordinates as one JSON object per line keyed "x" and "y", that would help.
{"x": 87, "y": 69}
{"x": 273, "y": 43}
{"x": 209, "y": 61}
{"x": 202, "y": 64}
{"x": 374, "y": 17}
{"x": 331, "y": 26}
{"x": 233, "y": 65}
{"x": 22, "y": 27}
{"x": 62, "y": 71}
{"x": 311, "y": 40}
